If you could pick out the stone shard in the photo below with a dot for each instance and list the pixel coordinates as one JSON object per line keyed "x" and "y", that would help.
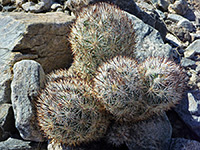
{"x": 28, "y": 78}
{"x": 7, "y": 121}
{"x": 18, "y": 144}
{"x": 188, "y": 111}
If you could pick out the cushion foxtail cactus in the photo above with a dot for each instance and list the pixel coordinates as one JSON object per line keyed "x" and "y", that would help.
{"x": 68, "y": 114}
{"x": 100, "y": 32}
{"x": 134, "y": 92}
{"x": 117, "y": 86}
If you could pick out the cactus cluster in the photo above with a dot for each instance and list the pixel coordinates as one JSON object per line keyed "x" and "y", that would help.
{"x": 100, "y": 32}
{"x": 105, "y": 81}
{"x": 132, "y": 92}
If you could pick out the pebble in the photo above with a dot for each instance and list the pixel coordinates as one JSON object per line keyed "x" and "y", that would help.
{"x": 195, "y": 36}
{"x": 9, "y": 8}
{"x": 175, "y": 17}
{"x": 173, "y": 40}
{"x": 179, "y": 7}
{"x": 26, "y": 6}
{"x": 185, "y": 62}
{"x": 5, "y": 2}
{"x": 186, "y": 24}
{"x": 194, "y": 46}
{"x": 55, "y": 6}
{"x": 198, "y": 69}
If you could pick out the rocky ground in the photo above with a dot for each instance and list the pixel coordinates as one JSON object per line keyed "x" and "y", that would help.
{"x": 33, "y": 42}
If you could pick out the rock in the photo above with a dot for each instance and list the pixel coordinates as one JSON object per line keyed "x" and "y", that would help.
{"x": 189, "y": 111}
{"x": 161, "y": 14}
{"x": 198, "y": 68}
{"x": 40, "y": 35}
{"x": 175, "y": 17}
{"x": 193, "y": 51}
{"x": 152, "y": 134}
{"x": 7, "y": 122}
{"x": 8, "y": 8}
{"x": 179, "y": 128}
{"x": 197, "y": 19}
{"x": 148, "y": 41}
{"x": 41, "y": 6}
{"x": 19, "y": 3}
{"x": 195, "y": 36}
{"x": 163, "y": 4}
{"x": 28, "y": 6}
{"x": 190, "y": 15}
{"x": 27, "y": 80}
{"x": 59, "y": 9}
{"x": 55, "y": 6}
{"x": 173, "y": 40}
{"x": 186, "y": 24}
{"x": 17, "y": 144}
{"x": 181, "y": 33}
{"x": 5, "y": 81}
{"x": 184, "y": 144}
{"x": 5, "y": 2}
{"x": 194, "y": 46}
{"x": 179, "y": 7}
{"x": 185, "y": 62}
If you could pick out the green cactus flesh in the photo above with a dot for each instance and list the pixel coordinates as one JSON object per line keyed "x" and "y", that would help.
{"x": 68, "y": 114}
{"x": 100, "y": 32}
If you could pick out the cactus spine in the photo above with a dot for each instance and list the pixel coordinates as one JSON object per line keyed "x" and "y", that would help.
{"x": 100, "y": 32}
{"x": 68, "y": 114}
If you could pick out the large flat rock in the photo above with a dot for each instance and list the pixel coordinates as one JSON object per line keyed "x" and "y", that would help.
{"x": 41, "y": 36}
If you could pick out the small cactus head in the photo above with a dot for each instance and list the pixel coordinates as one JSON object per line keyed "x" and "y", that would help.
{"x": 132, "y": 92}
{"x": 117, "y": 86}
{"x": 100, "y": 32}
{"x": 163, "y": 81}
{"x": 68, "y": 114}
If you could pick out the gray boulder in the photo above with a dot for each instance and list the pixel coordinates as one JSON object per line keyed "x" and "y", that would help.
{"x": 42, "y": 37}
{"x": 152, "y": 134}
{"x": 18, "y": 144}
{"x": 148, "y": 41}
{"x": 188, "y": 110}
{"x": 28, "y": 78}
{"x": 184, "y": 144}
